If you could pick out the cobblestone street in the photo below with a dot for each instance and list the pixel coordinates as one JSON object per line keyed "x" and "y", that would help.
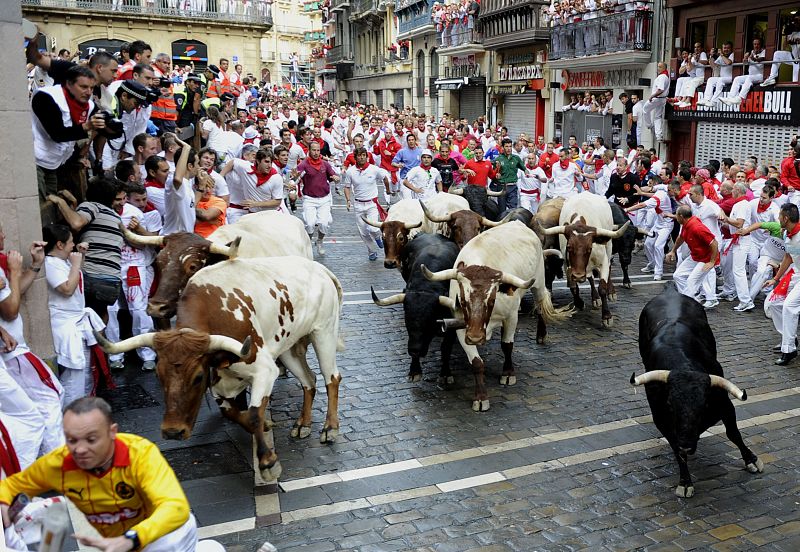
{"x": 566, "y": 459}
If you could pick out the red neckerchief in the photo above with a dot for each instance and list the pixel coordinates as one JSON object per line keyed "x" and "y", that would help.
{"x": 149, "y": 207}
{"x": 360, "y": 168}
{"x": 664, "y": 73}
{"x": 249, "y": 141}
{"x": 684, "y": 190}
{"x": 750, "y": 175}
{"x": 315, "y": 164}
{"x": 4, "y": 263}
{"x": 761, "y": 208}
{"x": 303, "y": 146}
{"x": 78, "y": 111}
{"x": 262, "y": 178}
{"x": 791, "y": 233}
{"x": 150, "y": 183}
{"x": 278, "y": 163}
{"x": 564, "y": 164}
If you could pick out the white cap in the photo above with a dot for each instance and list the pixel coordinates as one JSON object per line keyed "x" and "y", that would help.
{"x": 620, "y": 153}
{"x": 426, "y": 152}
{"x": 250, "y": 133}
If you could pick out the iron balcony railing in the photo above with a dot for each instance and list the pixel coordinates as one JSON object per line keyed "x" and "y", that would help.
{"x": 363, "y": 6}
{"x": 631, "y": 30}
{"x": 458, "y": 34}
{"x": 338, "y": 54}
{"x": 259, "y": 13}
{"x": 414, "y": 15}
{"x": 339, "y": 4}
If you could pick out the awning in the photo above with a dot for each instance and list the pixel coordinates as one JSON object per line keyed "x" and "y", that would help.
{"x": 513, "y": 87}
{"x": 450, "y": 84}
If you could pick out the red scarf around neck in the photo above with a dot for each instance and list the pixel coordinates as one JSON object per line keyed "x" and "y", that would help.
{"x": 762, "y": 208}
{"x": 315, "y": 164}
{"x": 791, "y": 233}
{"x": 150, "y": 183}
{"x": 564, "y": 164}
{"x": 78, "y": 111}
{"x": 262, "y": 178}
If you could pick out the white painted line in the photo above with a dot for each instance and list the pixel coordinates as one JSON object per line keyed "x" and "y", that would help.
{"x": 468, "y": 482}
{"x": 382, "y": 469}
{"x": 210, "y": 531}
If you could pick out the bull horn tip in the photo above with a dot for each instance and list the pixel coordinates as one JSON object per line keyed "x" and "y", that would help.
{"x": 374, "y": 295}
{"x": 744, "y": 395}
{"x": 633, "y": 378}
{"x": 248, "y": 342}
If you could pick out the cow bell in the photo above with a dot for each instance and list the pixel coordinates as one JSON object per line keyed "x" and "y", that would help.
{"x": 452, "y": 324}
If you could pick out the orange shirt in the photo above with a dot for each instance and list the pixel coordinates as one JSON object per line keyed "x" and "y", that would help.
{"x": 206, "y": 227}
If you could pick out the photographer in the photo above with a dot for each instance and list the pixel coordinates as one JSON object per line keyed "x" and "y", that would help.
{"x": 62, "y": 115}
{"x": 124, "y": 122}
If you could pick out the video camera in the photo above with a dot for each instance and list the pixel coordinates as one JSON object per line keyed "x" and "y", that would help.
{"x": 163, "y": 82}
{"x": 114, "y": 127}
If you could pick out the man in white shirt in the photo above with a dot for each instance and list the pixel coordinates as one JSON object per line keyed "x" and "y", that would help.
{"x": 231, "y": 142}
{"x": 715, "y": 85}
{"x": 636, "y": 118}
{"x": 180, "y": 197}
{"x": 262, "y": 183}
{"x": 734, "y": 253}
{"x": 361, "y": 186}
{"x": 530, "y": 183}
{"x": 661, "y": 203}
{"x": 763, "y": 209}
{"x": 296, "y": 153}
{"x": 237, "y": 196}
{"x": 424, "y": 181}
{"x": 653, "y": 112}
{"x": 245, "y": 96}
{"x": 565, "y": 174}
{"x": 755, "y": 74}
{"x": 693, "y": 76}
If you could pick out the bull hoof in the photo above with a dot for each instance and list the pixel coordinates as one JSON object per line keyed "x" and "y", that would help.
{"x": 597, "y": 303}
{"x": 328, "y": 435}
{"x": 270, "y": 473}
{"x": 445, "y": 380}
{"x": 480, "y": 406}
{"x": 755, "y": 467}
{"x": 301, "y": 431}
{"x": 627, "y": 285}
{"x": 612, "y": 297}
{"x": 414, "y": 378}
{"x": 608, "y": 322}
{"x": 684, "y": 492}
{"x": 508, "y": 380}
{"x": 541, "y": 340}
{"x": 578, "y": 305}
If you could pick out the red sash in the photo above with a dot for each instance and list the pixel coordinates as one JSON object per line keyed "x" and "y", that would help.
{"x": 382, "y": 213}
{"x": 100, "y": 366}
{"x": 8, "y": 456}
{"x": 782, "y": 289}
{"x": 41, "y": 370}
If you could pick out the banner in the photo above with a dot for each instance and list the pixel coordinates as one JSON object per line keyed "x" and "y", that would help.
{"x": 776, "y": 106}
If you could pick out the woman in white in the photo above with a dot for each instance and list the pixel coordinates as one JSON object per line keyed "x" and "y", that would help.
{"x": 72, "y": 323}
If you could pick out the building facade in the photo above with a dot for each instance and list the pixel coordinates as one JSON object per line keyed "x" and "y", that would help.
{"x": 415, "y": 25}
{"x": 298, "y": 32}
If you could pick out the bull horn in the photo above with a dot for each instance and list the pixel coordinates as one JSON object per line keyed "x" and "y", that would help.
{"x": 141, "y": 241}
{"x": 141, "y": 340}
{"x": 644, "y": 231}
{"x": 433, "y": 218}
{"x": 649, "y": 377}
{"x": 492, "y": 193}
{"x": 491, "y": 224}
{"x": 225, "y": 343}
{"x": 452, "y": 324}
{"x": 411, "y": 226}
{"x": 717, "y": 381}
{"x": 515, "y": 281}
{"x": 456, "y": 191}
{"x": 552, "y": 253}
{"x": 613, "y": 234}
{"x": 447, "y": 302}
{"x": 231, "y": 250}
{"x": 554, "y": 231}
{"x": 392, "y": 300}
{"x": 441, "y": 276}
{"x": 370, "y": 222}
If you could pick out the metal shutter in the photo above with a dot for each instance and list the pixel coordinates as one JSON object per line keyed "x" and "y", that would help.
{"x": 472, "y": 102}
{"x": 379, "y": 99}
{"x": 519, "y": 114}
{"x": 362, "y": 97}
{"x": 738, "y": 141}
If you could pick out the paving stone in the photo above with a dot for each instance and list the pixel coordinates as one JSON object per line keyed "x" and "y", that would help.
{"x": 727, "y": 531}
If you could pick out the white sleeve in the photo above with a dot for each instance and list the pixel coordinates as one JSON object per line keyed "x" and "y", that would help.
{"x": 56, "y": 272}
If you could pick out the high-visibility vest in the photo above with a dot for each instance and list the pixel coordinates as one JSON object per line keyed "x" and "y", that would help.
{"x": 165, "y": 107}
{"x": 214, "y": 89}
{"x": 208, "y": 102}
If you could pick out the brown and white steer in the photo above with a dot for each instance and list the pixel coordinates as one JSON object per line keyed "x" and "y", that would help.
{"x": 439, "y": 207}
{"x": 586, "y": 228}
{"x": 234, "y": 319}
{"x": 402, "y": 223}
{"x": 491, "y": 274}
{"x": 462, "y": 225}
{"x": 264, "y": 234}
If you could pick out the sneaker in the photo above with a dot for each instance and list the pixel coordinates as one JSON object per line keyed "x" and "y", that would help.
{"x": 683, "y": 104}
{"x": 149, "y": 365}
{"x": 710, "y": 304}
{"x": 703, "y": 102}
{"x": 373, "y": 256}
{"x": 320, "y": 248}
{"x": 736, "y": 100}
{"x": 379, "y": 242}
{"x": 116, "y": 365}
{"x": 742, "y": 307}
{"x": 647, "y": 269}
{"x": 769, "y": 82}
{"x": 727, "y": 297}
{"x": 657, "y": 278}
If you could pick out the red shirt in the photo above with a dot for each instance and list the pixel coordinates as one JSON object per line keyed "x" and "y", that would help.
{"x": 789, "y": 176}
{"x": 350, "y": 160}
{"x": 698, "y": 239}
{"x": 546, "y": 162}
{"x": 392, "y": 146}
{"x": 483, "y": 172}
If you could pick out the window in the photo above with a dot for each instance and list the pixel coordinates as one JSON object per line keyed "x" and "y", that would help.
{"x": 726, "y": 31}
{"x": 756, "y": 27}
{"x": 698, "y": 32}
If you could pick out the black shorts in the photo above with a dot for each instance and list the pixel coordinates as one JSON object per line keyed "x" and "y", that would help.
{"x": 101, "y": 292}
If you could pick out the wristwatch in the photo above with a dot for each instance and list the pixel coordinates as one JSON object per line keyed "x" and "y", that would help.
{"x": 134, "y": 536}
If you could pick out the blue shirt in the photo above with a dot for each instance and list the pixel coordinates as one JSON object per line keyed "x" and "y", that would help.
{"x": 410, "y": 158}
{"x": 492, "y": 154}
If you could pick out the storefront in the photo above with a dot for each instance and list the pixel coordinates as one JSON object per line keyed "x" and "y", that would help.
{"x": 185, "y": 52}
{"x": 91, "y": 47}
{"x": 515, "y": 91}
{"x": 464, "y": 79}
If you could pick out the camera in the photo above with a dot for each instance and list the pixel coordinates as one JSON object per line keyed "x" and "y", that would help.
{"x": 163, "y": 82}
{"x": 152, "y": 95}
{"x": 114, "y": 128}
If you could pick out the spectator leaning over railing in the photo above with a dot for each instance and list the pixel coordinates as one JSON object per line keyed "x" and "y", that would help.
{"x": 723, "y": 74}
{"x": 692, "y": 72}
{"x": 755, "y": 74}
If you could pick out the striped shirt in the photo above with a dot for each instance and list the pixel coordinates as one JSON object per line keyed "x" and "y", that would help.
{"x": 104, "y": 238}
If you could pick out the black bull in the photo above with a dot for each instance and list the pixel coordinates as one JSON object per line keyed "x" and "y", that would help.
{"x": 421, "y": 301}
{"x": 684, "y": 382}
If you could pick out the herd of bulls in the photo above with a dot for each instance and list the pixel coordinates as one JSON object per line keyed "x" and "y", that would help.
{"x": 251, "y": 295}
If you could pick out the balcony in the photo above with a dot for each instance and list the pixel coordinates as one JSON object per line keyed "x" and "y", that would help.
{"x": 415, "y": 18}
{"x": 314, "y": 36}
{"x": 251, "y": 14}
{"x": 312, "y": 7}
{"x": 362, "y": 9}
{"x": 339, "y": 5}
{"x": 516, "y": 23}
{"x": 339, "y": 55}
{"x": 458, "y": 38}
{"x": 605, "y": 41}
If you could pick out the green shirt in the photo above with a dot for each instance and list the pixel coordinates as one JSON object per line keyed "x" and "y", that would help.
{"x": 507, "y": 167}
{"x": 468, "y": 155}
{"x": 774, "y": 228}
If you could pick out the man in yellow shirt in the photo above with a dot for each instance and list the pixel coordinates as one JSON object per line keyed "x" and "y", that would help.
{"x": 120, "y": 481}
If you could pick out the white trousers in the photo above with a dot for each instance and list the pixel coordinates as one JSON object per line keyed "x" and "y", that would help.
{"x": 742, "y": 84}
{"x": 784, "y": 57}
{"x": 368, "y": 233}
{"x": 714, "y": 88}
{"x": 764, "y": 271}
{"x": 182, "y": 539}
{"x": 653, "y": 116}
{"x": 529, "y": 202}
{"x": 78, "y": 382}
{"x": 317, "y": 212}
{"x": 687, "y": 85}
{"x": 22, "y": 419}
{"x": 232, "y": 214}
{"x": 46, "y": 401}
{"x": 654, "y": 247}
{"x": 136, "y": 299}
{"x": 784, "y": 315}
{"x": 690, "y": 275}
{"x": 734, "y": 270}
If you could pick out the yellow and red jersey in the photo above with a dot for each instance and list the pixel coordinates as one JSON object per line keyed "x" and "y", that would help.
{"x": 140, "y": 491}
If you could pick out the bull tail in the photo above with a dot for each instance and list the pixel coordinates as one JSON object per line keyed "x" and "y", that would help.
{"x": 550, "y": 313}
{"x": 340, "y": 344}
{"x": 340, "y": 293}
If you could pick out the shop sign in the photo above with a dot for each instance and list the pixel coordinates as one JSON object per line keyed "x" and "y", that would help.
{"x": 91, "y": 47}
{"x": 518, "y": 59}
{"x": 777, "y": 106}
{"x": 620, "y": 78}
{"x": 464, "y": 66}
{"x": 187, "y": 50}
{"x": 521, "y": 72}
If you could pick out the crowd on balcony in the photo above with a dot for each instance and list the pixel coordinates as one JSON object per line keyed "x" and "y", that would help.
{"x": 456, "y": 22}
{"x": 398, "y": 50}
{"x": 261, "y": 8}
{"x": 591, "y": 27}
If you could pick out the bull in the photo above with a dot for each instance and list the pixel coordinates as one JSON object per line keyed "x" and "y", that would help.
{"x": 462, "y": 225}
{"x": 547, "y": 216}
{"x": 478, "y": 199}
{"x": 440, "y": 206}
{"x": 423, "y": 302}
{"x": 624, "y": 245}
{"x": 402, "y": 223}
{"x": 234, "y": 319}
{"x": 491, "y": 274}
{"x": 264, "y": 234}
{"x": 586, "y": 228}
{"x": 684, "y": 382}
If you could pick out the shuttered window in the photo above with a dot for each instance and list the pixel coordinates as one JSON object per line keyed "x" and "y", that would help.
{"x": 519, "y": 114}
{"x": 738, "y": 141}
